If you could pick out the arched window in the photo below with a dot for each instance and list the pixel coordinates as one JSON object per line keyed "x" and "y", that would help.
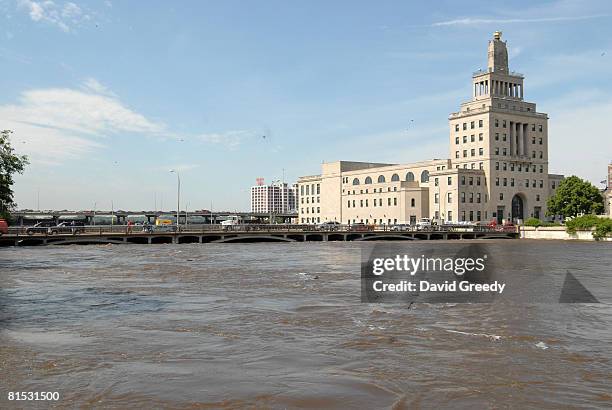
{"x": 425, "y": 176}
{"x": 356, "y": 181}
{"x": 394, "y": 178}
{"x": 381, "y": 179}
{"x": 410, "y": 177}
{"x": 368, "y": 180}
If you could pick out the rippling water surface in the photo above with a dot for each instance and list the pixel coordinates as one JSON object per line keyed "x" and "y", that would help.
{"x": 281, "y": 326}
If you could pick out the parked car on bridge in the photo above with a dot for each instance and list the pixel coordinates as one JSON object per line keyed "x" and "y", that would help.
{"x": 423, "y": 223}
{"x": 74, "y": 228}
{"x": 329, "y": 226}
{"x": 360, "y": 227}
{"x": 40, "y": 227}
{"x": 3, "y": 227}
{"x": 401, "y": 227}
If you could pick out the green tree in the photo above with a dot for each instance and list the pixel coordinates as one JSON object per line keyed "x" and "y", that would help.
{"x": 575, "y": 197}
{"x": 9, "y": 165}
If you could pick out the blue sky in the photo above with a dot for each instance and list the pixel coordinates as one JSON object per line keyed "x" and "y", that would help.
{"x": 107, "y": 96}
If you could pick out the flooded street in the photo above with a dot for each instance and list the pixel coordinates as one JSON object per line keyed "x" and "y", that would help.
{"x": 280, "y": 325}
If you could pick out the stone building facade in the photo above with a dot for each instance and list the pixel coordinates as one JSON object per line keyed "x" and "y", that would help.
{"x": 498, "y": 165}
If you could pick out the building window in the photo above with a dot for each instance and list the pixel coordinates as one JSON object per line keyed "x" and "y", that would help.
{"x": 505, "y": 152}
{"x": 450, "y": 197}
{"x": 463, "y": 197}
{"x": 497, "y": 136}
{"x": 412, "y": 202}
{"x": 472, "y": 152}
{"x": 436, "y": 181}
{"x": 480, "y": 137}
{"x": 472, "y": 138}
{"x": 464, "y": 126}
{"x": 465, "y": 139}
{"x": 532, "y": 127}
{"x": 456, "y": 154}
{"x": 541, "y": 140}
{"x": 496, "y": 150}
{"x": 480, "y": 123}
{"x": 481, "y": 151}
{"x": 348, "y": 204}
{"x": 395, "y": 178}
{"x": 436, "y": 198}
{"x": 480, "y": 165}
{"x": 540, "y": 127}
{"x": 526, "y": 183}
{"x": 505, "y": 181}
{"x": 504, "y": 124}
{"x": 472, "y": 125}
{"x": 497, "y": 123}
{"x": 497, "y": 181}
{"x": 504, "y": 166}
{"x": 356, "y": 181}
{"x": 456, "y": 140}
{"x": 464, "y": 153}
{"x": 538, "y": 197}
{"x": 501, "y": 196}
{"x": 471, "y": 197}
{"x": 409, "y": 177}
{"x": 541, "y": 155}
{"x": 425, "y": 176}
{"x": 318, "y": 189}
{"x": 471, "y": 216}
{"x": 541, "y": 169}
{"x": 497, "y": 166}
{"x": 504, "y": 137}
{"x": 381, "y": 179}
{"x": 457, "y": 127}
{"x": 388, "y": 201}
{"x": 368, "y": 180}
{"x": 511, "y": 181}
{"x": 478, "y": 198}
{"x": 394, "y": 201}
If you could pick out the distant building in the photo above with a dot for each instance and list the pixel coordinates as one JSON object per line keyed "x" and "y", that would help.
{"x": 498, "y": 165}
{"x": 277, "y": 197}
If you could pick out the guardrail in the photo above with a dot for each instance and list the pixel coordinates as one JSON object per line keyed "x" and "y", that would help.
{"x": 241, "y": 228}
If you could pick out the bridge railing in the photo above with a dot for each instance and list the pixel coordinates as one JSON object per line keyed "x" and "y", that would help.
{"x": 242, "y": 228}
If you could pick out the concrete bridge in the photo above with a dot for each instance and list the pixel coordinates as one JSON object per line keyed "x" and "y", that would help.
{"x": 124, "y": 235}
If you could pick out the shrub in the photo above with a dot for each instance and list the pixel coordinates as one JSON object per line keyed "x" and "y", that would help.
{"x": 603, "y": 226}
{"x": 533, "y": 222}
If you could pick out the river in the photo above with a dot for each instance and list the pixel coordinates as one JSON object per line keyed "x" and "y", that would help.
{"x": 281, "y": 325}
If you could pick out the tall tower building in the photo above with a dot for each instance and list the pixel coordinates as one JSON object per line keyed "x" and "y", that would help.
{"x": 500, "y": 133}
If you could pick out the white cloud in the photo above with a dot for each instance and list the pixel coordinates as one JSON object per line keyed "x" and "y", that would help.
{"x": 229, "y": 139}
{"x": 471, "y": 21}
{"x": 578, "y": 138}
{"x": 56, "y": 124}
{"x": 64, "y": 16}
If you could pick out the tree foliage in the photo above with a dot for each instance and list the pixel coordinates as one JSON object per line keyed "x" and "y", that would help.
{"x": 575, "y": 197}
{"x": 10, "y": 164}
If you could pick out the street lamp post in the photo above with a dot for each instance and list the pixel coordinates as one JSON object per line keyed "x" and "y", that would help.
{"x": 178, "y": 195}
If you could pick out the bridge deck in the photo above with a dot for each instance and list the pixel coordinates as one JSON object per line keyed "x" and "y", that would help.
{"x": 124, "y": 235}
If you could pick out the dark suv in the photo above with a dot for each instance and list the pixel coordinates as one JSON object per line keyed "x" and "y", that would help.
{"x": 67, "y": 227}
{"x": 40, "y": 227}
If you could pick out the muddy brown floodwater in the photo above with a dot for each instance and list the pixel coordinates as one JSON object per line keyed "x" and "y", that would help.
{"x": 280, "y": 325}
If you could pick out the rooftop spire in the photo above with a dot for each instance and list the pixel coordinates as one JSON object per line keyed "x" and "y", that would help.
{"x": 498, "y": 54}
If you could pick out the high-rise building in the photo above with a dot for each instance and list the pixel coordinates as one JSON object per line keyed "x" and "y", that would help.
{"x": 277, "y": 197}
{"x": 498, "y": 166}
